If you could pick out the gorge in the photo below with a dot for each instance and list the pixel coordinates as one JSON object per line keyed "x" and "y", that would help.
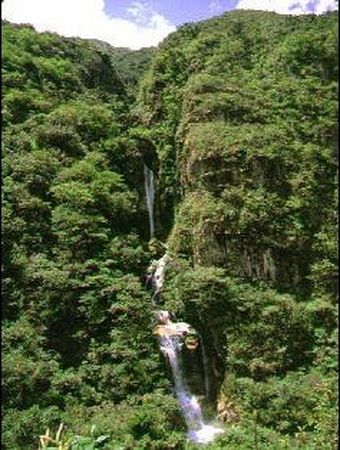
{"x": 210, "y": 163}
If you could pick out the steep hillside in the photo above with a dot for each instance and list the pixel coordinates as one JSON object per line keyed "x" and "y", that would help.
{"x": 243, "y": 113}
{"x": 76, "y": 318}
{"x": 236, "y": 117}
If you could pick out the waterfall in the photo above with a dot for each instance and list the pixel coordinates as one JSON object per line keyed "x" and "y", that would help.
{"x": 155, "y": 275}
{"x": 170, "y": 346}
{"x": 171, "y": 340}
{"x": 158, "y": 276}
{"x": 150, "y": 196}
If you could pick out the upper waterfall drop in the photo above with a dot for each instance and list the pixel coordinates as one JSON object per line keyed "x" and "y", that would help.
{"x": 149, "y": 179}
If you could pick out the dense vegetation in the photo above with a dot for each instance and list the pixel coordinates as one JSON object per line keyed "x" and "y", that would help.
{"x": 130, "y": 65}
{"x": 238, "y": 117}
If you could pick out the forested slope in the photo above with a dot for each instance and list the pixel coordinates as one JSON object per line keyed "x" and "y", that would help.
{"x": 76, "y": 319}
{"x": 130, "y": 65}
{"x": 237, "y": 116}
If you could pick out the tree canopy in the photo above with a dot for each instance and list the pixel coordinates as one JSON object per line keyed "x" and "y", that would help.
{"x": 237, "y": 117}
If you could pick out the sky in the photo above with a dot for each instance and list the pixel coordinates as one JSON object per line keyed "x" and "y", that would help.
{"x": 138, "y": 23}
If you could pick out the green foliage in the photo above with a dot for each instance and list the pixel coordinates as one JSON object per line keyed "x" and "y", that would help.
{"x": 237, "y": 116}
{"x": 77, "y": 318}
{"x": 254, "y": 130}
{"x": 265, "y": 333}
{"x": 247, "y": 102}
{"x": 130, "y": 65}
{"x": 28, "y": 367}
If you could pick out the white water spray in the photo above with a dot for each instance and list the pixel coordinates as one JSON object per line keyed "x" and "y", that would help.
{"x": 150, "y": 196}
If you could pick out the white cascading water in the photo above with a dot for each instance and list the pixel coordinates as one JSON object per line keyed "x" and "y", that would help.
{"x": 150, "y": 196}
{"x": 171, "y": 346}
{"x": 171, "y": 342}
{"x": 158, "y": 276}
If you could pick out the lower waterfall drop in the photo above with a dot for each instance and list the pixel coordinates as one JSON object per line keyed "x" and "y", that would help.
{"x": 198, "y": 431}
{"x": 171, "y": 339}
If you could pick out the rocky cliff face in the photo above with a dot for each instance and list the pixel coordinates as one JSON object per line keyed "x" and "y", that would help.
{"x": 242, "y": 110}
{"x": 251, "y": 141}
